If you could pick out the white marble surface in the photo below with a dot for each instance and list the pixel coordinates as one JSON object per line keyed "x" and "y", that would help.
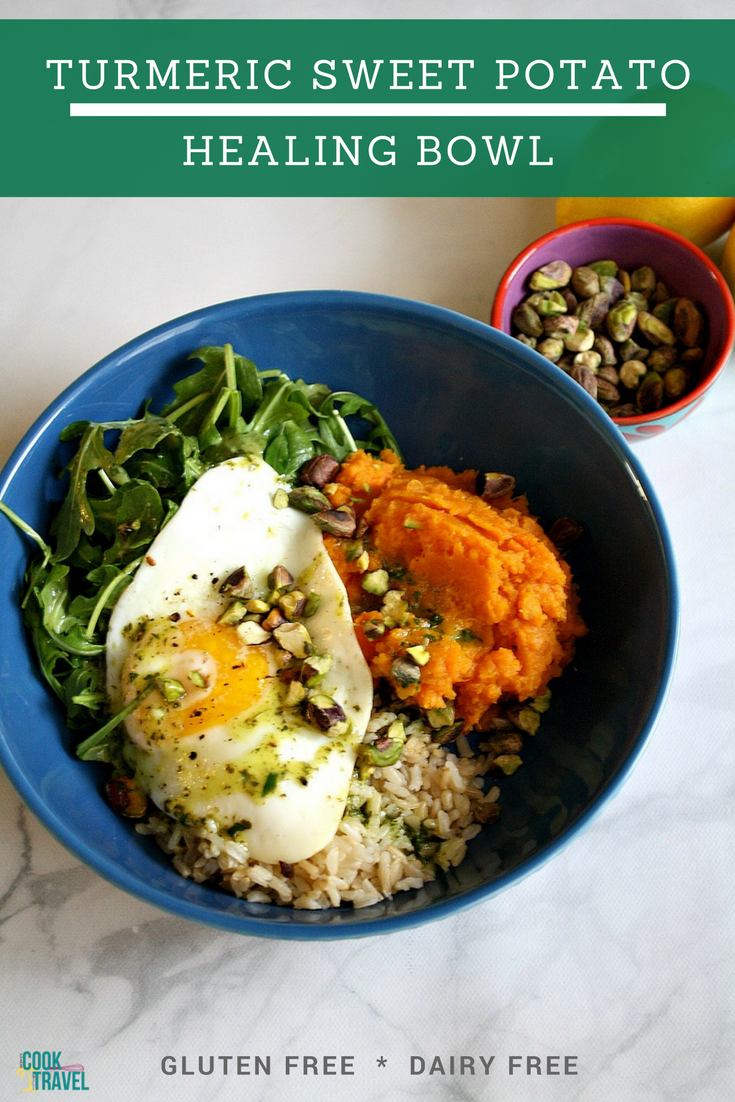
{"x": 360, "y": 9}
{"x": 619, "y": 952}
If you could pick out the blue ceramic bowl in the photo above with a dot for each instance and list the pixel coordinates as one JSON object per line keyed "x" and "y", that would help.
{"x": 455, "y": 391}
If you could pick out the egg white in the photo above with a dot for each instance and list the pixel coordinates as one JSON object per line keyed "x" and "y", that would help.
{"x": 218, "y": 773}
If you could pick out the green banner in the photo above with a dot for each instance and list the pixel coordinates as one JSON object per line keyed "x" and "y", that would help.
{"x": 368, "y": 107}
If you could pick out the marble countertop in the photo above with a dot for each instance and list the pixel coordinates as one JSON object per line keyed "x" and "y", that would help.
{"x": 617, "y": 954}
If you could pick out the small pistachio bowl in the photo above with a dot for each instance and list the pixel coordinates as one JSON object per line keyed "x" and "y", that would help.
{"x": 683, "y": 267}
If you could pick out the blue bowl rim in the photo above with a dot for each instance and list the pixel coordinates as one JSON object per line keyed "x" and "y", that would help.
{"x": 535, "y": 364}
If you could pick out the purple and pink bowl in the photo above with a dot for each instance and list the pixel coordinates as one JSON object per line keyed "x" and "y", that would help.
{"x": 683, "y": 267}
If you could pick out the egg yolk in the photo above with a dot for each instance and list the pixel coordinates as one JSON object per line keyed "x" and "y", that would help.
{"x": 222, "y": 677}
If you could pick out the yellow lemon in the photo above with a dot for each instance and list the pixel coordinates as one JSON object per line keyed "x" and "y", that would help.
{"x": 701, "y": 220}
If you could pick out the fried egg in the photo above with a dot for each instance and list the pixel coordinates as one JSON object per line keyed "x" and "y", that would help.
{"x": 229, "y": 750}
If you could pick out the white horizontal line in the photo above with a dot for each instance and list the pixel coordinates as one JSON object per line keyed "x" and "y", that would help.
{"x": 365, "y": 110}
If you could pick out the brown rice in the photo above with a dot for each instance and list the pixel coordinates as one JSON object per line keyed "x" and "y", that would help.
{"x": 400, "y": 825}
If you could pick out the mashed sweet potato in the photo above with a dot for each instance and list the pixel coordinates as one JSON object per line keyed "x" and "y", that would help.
{"x": 478, "y": 586}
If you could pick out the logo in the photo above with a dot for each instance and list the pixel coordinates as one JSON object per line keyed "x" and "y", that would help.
{"x": 43, "y": 1071}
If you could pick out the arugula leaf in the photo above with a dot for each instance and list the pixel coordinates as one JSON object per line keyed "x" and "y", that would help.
{"x": 108, "y": 583}
{"x": 233, "y": 442}
{"x": 64, "y": 628}
{"x": 144, "y": 435}
{"x": 352, "y": 405}
{"x": 290, "y": 449}
{"x": 75, "y": 515}
{"x": 84, "y": 692}
{"x": 198, "y": 394}
{"x": 131, "y": 517}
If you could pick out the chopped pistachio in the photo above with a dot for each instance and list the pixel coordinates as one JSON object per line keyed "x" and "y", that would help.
{"x": 353, "y": 550}
{"x": 373, "y": 629}
{"x": 604, "y": 348}
{"x": 292, "y": 604}
{"x": 510, "y": 743}
{"x": 442, "y": 735}
{"x": 621, "y": 320}
{"x": 313, "y": 601}
{"x": 336, "y": 522}
{"x": 295, "y": 694}
{"x": 542, "y": 703}
{"x": 362, "y": 562}
{"x": 419, "y": 654}
{"x": 585, "y": 378}
{"x": 280, "y": 498}
{"x": 388, "y": 746}
{"x": 171, "y": 689}
{"x": 508, "y": 763}
{"x": 405, "y": 671}
{"x": 494, "y": 484}
{"x": 235, "y": 613}
{"x": 252, "y": 633}
{"x": 273, "y": 620}
{"x": 631, "y": 350}
{"x": 197, "y": 678}
{"x": 527, "y": 719}
{"x": 315, "y": 669}
{"x": 308, "y": 499}
{"x": 294, "y": 638}
{"x": 394, "y": 608}
{"x": 326, "y": 714}
{"x": 409, "y": 523}
{"x": 238, "y": 584}
{"x": 319, "y": 471}
{"x": 440, "y": 717}
{"x": 280, "y": 578}
{"x": 376, "y": 582}
{"x": 660, "y": 294}
{"x": 258, "y": 607}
